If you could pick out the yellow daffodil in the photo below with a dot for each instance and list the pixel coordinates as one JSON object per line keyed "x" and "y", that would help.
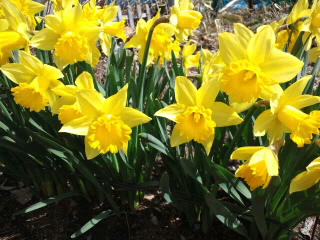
{"x": 184, "y": 19}
{"x": 13, "y": 31}
{"x": 285, "y": 115}
{"x": 110, "y": 28}
{"x": 105, "y": 123}
{"x": 71, "y": 36}
{"x": 161, "y": 44}
{"x": 189, "y": 59}
{"x": 254, "y": 65}
{"x": 295, "y": 20}
{"x": 66, "y": 105}
{"x": 312, "y": 24}
{"x": 196, "y": 114}
{"x": 35, "y": 81}
{"x": 28, "y": 8}
{"x": 261, "y": 164}
{"x": 306, "y": 179}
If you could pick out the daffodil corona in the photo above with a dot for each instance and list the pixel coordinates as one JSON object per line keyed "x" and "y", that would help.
{"x": 105, "y": 123}
{"x": 196, "y": 114}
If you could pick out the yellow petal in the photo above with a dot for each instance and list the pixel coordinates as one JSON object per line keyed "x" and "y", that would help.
{"x": 208, "y": 92}
{"x": 133, "y": 117}
{"x": 18, "y": 73}
{"x": 304, "y": 101}
{"x": 314, "y": 165}
{"x": 272, "y": 91}
{"x": 244, "y": 153}
{"x": 31, "y": 62}
{"x": 177, "y": 138}
{"x": 280, "y": 66}
{"x": 295, "y": 89}
{"x": 115, "y": 103}
{"x": 231, "y": 49}
{"x": 244, "y": 33}
{"x": 208, "y": 144}
{"x": 90, "y": 152}
{"x": 85, "y": 81}
{"x": 304, "y": 180}
{"x": 90, "y": 102}
{"x": 241, "y": 106}
{"x": 171, "y": 112}
{"x": 223, "y": 115}
{"x": 45, "y": 39}
{"x": 263, "y": 123}
{"x": 78, "y": 126}
{"x": 264, "y": 41}
{"x": 185, "y": 91}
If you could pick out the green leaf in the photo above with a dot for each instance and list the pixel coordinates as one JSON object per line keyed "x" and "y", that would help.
{"x": 46, "y": 203}
{"x": 165, "y": 186}
{"x": 258, "y": 207}
{"x": 222, "y": 175}
{"x": 224, "y": 215}
{"x": 156, "y": 143}
{"x": 90, "y": 224}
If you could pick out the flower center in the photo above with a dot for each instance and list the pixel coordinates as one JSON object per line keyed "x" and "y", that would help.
{"x": 71, "y": 47}
{"x": 240, "y": 81}
{"x": 196, "y": 124}
{"x": 28, "y": 97}
{"x": 108, "y": 133}
{"x": 255, "y": 175}
{"x": 301, "y": 124}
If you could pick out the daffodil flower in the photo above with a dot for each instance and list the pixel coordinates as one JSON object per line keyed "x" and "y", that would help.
{"x": 253, "y": 65}
{"x": 285, "y": 115}
{"x": 71, "y": 35}
{"x": 306, "y": 179}
{"x": 105, "y": 123}
{"x": 299, "y": 10}
{"x": 196, "y": 114}
{"x": 66, "y": 105}
{"x": 28, "y": 8}
{"x": 185, "y": 19}
{"x": 161, "y": 43}
{"x": 261, "y": 164}
{"x": 35, "y": 81}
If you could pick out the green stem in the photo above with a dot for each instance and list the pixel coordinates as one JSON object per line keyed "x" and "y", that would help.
{"x": 142, "y": 70}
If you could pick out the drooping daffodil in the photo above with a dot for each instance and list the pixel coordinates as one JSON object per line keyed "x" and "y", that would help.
{"x": 261, "y": 164}
{"x": 196, "y": 114}
{"x": 184, "y": 18}
{"x": 285, "y": 115}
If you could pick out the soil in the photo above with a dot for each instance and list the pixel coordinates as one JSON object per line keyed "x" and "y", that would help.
{"x": 154, "y": 219}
